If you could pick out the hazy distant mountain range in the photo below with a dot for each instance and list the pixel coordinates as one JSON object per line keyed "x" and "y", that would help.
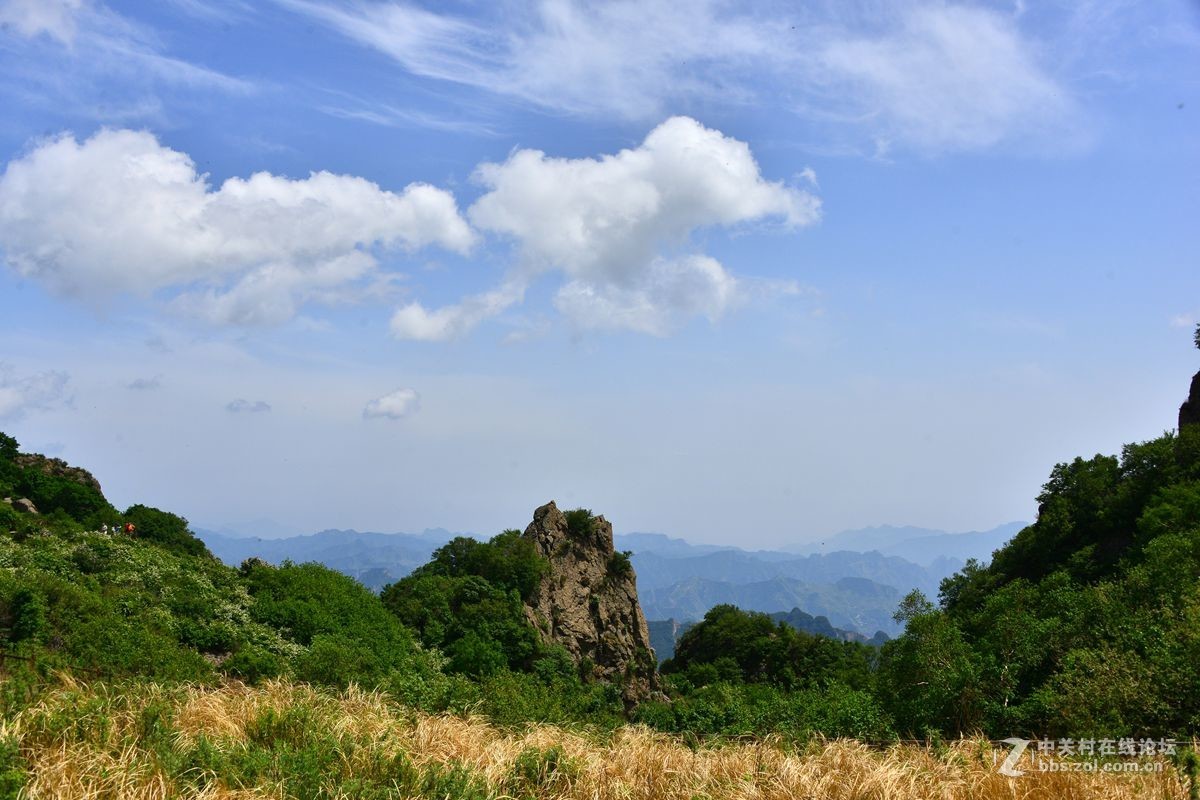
{"x": 373, "y": 559}
{"x": 920, "y": 545}
{"x": 853, "y": 579}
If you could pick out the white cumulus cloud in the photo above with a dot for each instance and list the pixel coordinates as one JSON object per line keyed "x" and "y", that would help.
{"x": 614, "y": 227}
{"x": 120, "y": 212}
{"x": 671, "y": 291}
{"x": 394, "y": 405}
{"x": 414, "y": 321}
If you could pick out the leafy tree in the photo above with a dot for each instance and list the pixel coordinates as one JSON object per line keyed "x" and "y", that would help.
{"x": 507, "y": 561}
{"x": 1082, "y": 621}
{"x": 467, "y": 602}
{"x": 928, "y": 676}
{"x": 8, "y": 447}
{"x": 164, "y": 528}
{"x": 619, "y": 564}
{"x": 735, "y": 645}
{"x": 479, "y": 625}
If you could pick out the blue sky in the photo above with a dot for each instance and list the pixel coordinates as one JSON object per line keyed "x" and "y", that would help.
{"x": 739, "y": 273}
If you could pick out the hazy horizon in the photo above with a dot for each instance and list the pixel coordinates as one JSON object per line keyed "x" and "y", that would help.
{"x": 271, "y": 530}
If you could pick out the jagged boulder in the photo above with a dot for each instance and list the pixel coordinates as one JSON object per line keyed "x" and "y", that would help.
{"x": 24, "y": 504}
{"x": 1189, "y": 412}
{"x": 587, "y": 601}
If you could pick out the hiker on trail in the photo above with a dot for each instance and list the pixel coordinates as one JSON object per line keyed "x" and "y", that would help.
{"x": 104, "y": 528}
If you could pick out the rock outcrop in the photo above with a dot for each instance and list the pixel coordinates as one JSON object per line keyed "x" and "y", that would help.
{"x": 57, "y": 468}
{"x": 1189, "y": 412}
{"x": 587, "y": 601}
{"x": 25, "y": 504}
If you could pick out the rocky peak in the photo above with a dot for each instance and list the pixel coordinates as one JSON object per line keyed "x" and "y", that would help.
{"x": 1189, "y": 412}
{"x": 57, "y": 468}
{"x": 587, "y": 601}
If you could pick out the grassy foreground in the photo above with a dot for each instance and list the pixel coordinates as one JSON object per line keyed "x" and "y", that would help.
{"x": 290, "y": 740}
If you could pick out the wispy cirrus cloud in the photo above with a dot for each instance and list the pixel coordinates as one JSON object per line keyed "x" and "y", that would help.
{"x": 56, "y": 19}
{"x": 22, "y": 393}
{"x": 949, "y": 77}
{"x": 1186, "y": 320}
{"x": 931, "y": 76}
{"x": 82, "y": 60}
{"x": 88, "y": 40}
{"x": 347, "y": 106}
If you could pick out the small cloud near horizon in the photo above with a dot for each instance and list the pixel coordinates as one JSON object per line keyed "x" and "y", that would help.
{"x": 395, "y": 405}
{"x": 144, "y": 384}
{"x": 241, "y": 405}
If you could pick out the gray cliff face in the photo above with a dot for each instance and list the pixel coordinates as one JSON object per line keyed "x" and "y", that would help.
{"x": 587, "y": 602}
{"x": 1189, "y": 412}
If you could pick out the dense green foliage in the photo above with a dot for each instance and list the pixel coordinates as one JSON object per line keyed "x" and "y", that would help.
{"x": 740, "y": 672}
{"x": 507, "y": 562}
{"x": 1087, "y": 622}
{"x": 164, "y": 529}
{"x": 53, "y": 495}
{"x": 480, "y": 627}
{"x": 348, "y": 635}
{"x": 732, "y": 708}
{"x": 466, "y": 602}
{"x": 750, "y": 647}
{"x": 116, "y": 605}
{"x": 157, "y": 604}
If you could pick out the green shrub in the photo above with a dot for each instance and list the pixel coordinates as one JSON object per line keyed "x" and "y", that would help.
{"x": 13, "y": 769}
{"x": 253, "y": 664}
{"x": 28, "y": 610}
{"x": 541, "y": 773}
{"x": 619, "y": 565}
{"x": 581, "y": 523}
{"x": 10, "y": 518}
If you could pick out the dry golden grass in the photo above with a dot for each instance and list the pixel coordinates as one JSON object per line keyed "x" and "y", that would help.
{"x": 100, "y": 742}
